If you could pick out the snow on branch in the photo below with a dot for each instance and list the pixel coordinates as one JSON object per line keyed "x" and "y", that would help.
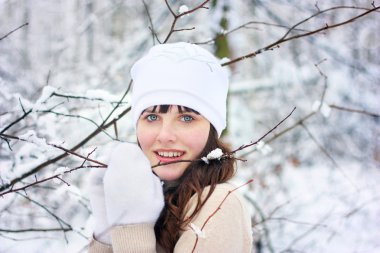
{"x": 104, "y": 125}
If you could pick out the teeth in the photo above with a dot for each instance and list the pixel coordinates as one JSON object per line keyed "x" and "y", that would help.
{"x": 170, "y": 154}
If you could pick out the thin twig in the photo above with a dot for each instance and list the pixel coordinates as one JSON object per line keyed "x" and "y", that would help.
{"x": 38, "y": 182}
{"x": 176, "y": 17}
{"x": 83, "y": 97}
{"x": 59, "y": 220}
{"x": 217, "y": 210}
{"x": 74, "y": 116}
{"x": 260, "y": 212}
{"x": 328, "y": 155}
{"x": 372, "y": 114}
{"x": 26, "y": 113}
{"x": 154, "y": 35}
{"x": 262, "y": 137}
{"x": 35, "y": 230}
{"x": 58, "y": 147}
{"x": 296, "y": 124}
{"x": 246, "y": 26}
{"x": 21, "y": 26}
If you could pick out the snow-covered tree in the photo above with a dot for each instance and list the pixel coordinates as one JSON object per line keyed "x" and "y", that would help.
{"x": 64, "y": 92}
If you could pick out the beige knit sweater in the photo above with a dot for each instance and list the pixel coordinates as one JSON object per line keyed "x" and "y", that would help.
{"x": 228, "y": 229}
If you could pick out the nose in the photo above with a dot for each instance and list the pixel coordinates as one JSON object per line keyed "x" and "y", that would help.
{"x": 166, "y": 133}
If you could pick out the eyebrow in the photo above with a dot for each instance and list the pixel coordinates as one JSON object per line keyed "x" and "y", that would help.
{"x": 165, "y": 108}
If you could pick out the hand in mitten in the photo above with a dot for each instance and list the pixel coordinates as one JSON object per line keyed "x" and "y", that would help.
{"x": 98, "y": 205}
{"x": 96, "y": 194}
{"x": 133, "y": 194}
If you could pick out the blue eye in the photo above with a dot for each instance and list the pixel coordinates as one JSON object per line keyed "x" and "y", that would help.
{"x": 187, "y": 118}
{"x": 152, "y": 117}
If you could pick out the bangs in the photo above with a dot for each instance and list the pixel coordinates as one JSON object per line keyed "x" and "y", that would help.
{"x": 165, "y": 109}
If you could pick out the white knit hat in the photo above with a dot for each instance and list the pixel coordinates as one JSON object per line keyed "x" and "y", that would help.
{"x": 181, "y": 74}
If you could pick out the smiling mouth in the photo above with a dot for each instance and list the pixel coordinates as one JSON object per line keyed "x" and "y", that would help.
{"x": 169, "y": 154}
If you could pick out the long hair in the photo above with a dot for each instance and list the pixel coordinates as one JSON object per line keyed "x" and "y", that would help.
{"x": 196, "y": 177}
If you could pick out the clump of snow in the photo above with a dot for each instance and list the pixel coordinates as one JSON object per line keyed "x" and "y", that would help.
{"x": 31, "y": 136}
{"x": 197, "y": 231}
{"x": 4, "y": 180}
{"x": 205, "y": 160}
{"x": 101, "y": 94}
{"x": 45, "y": 95}
{"x": 215, "y": 154}
{"x": 57, "y": 180}
{"x": 61, "y": 170}
{"x": 263, "y": 148}
{"x": 324, "y": 108}
{"x": 224, "y": 60}
{"x": 183, "y": 9}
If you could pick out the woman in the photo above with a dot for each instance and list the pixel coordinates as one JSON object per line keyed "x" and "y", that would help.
{"x": 179, "y": 110}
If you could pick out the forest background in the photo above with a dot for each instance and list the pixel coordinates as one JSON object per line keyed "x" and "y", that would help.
{"x": 64, "y": 94}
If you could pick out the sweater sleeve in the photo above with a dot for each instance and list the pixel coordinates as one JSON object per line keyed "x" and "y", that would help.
{"x": 98, "y": 247}
{"x": 227, "y": 224}
{"x": 136, "y": 238}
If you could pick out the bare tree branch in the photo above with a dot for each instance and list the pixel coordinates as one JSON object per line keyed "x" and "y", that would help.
{"x": 247, "y": 26}
{"x": 58, "y": 147}
{"x": 284, "y": 38}
{"x": 26, "y": 113}
{"x": 35, "y": 230}
{"x": 176, "y": 17}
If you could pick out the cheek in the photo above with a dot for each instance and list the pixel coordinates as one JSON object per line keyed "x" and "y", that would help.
{"x": 197, "y": 142}
{"x": 145, "y": 138}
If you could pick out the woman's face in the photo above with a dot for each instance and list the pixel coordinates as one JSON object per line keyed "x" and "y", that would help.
{"x": 171, "y": 136}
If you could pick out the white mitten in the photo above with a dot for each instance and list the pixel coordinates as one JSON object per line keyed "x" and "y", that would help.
{"x": 133, "y": 194}
{"x": 98, "y": 205}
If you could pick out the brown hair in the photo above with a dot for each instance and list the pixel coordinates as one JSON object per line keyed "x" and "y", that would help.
{"x": 196, "y": 177}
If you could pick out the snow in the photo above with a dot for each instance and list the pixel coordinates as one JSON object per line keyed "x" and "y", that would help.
{"x": 301, "y": 199}
{"x": 31, "y": 136}
{"x": 60, "y": 170}
{"x": 323, "y": 108}
{"x": 200, "y": 233}
{"x": 45, "y": 95}
{"x": 183, "y": 9}
{"x": 263, "y": 148}
{"x": 213, "y": 155}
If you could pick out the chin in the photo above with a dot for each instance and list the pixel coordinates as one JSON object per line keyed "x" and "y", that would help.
{"x": 168, "y": 174}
